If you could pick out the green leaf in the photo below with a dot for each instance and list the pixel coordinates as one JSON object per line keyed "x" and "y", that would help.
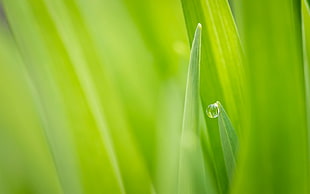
{"x": 222, "y": 66}
{"x": 222, "y": 71}
{"x": 274, "y": 158}
{"x": 26, "y": 163}
{"x": 85, "y": 124}
{"x": 192, "y": 176}
{"x": 229, "y": 140}
{"x": 306, "y": 52}
{"x": 306, "y": 57}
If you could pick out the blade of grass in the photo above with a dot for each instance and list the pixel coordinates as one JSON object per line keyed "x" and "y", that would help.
{"x": 222, "y": 71}
{"x": 306, "y": 52}
{"x": 124, "y": 100}
{"x": 44, "y": 49}
{"x": 76, "y": 55}
{"x": 229, "y": 140}
{"x": 96, "y": 81}
{"x": 222, "y": 65}
{"x": 305, "y": 11}
{"x": 48, "y": 100}
{"x": 23, "y": 146}
{"x": 192, "y": 176}
{"x": 169, "y": 125}
{"x": 276, "y": 151}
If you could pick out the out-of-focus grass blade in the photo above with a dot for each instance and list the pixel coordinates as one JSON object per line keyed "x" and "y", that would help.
{"x": 229, "y": 140}
{"x": 79, "y": 58}
{"x": 276, "y": 150}
{"x": 45, "y": 93}
{"x": 222, "y": 71}
{"x": 123, "y": 61}
{"x": 71, "y": 59}
{"x": 102, "y": 72}
{"x": 192, "y": 176}
{"x": 26, "y": 163}
{"x": 169, "y": 125}
{"x": 306, "y": 56}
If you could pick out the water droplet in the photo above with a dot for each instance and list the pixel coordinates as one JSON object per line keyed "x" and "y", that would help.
{"x": 213, "y": 110}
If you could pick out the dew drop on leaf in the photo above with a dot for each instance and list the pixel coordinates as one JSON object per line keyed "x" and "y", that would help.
{"x": 213, "y": 110}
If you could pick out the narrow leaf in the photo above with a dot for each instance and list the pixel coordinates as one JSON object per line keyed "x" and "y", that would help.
{"x": 192, "y": 177}
{"x": 276, "y": 150}
{"x": 222, "y": 71}
{"x": 306, "y": 50}
{"x": 306, "y": 57}
{"x": 229, "y": 140}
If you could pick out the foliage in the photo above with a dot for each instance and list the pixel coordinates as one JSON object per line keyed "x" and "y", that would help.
{"x": 95, "y": 96}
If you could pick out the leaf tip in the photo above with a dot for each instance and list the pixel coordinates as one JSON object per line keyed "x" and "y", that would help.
{"x": 199, "y": 26}
{"x": 198, "y": 32}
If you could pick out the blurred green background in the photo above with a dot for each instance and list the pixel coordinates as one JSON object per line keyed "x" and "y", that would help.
{"x": 92, "y": 96}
